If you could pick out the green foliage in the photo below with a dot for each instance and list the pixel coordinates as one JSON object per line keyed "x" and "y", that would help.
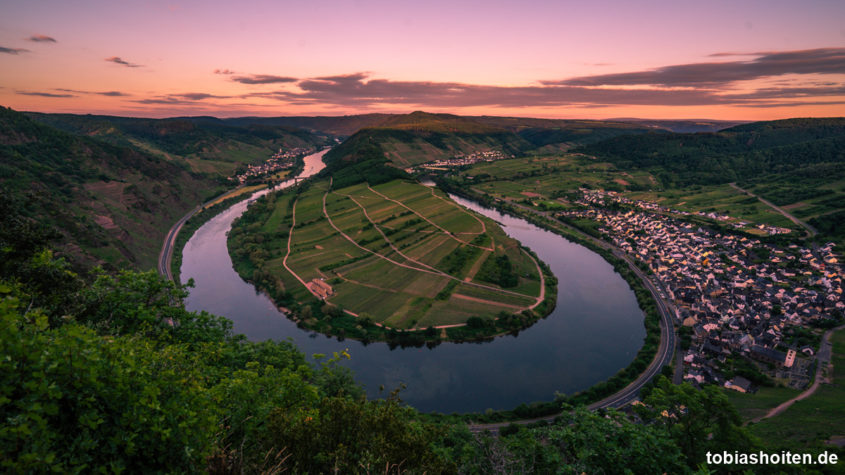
{"x": 348, "y": 435}
{"x": 580, "y": 441}
{"x": 739, "y": 153}
{"x": 498, "y": 270}
{"x": 132, "y": 303}
{"x": 71, "y": 400}
{"x": 699, "y": 420}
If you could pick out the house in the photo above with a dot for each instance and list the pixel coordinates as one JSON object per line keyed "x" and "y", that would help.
{"x": 739, "y": 384}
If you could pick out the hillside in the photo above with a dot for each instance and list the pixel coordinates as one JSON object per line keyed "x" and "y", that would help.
{"x": 99, "y": 203}
{"x": 209, "y": 145}
{"x": 738, "y": 153}
{"x": 796, "y": 164}
{"x": 376, "y": 154}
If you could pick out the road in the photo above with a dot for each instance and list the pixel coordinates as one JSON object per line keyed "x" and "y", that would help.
{"x": 662, "y": 358}
{"x": 822, "y": 362}
{"x": 165, "y": 257}
{"x": 811, "y": 231}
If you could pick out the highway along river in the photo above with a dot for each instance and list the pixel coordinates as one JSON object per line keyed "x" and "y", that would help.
{"x": 596, "y": 329}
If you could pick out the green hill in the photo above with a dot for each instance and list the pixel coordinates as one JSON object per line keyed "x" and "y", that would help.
{"x": 207, "y": 144}
{"x": 376, "y": 154}
{"x": 797, "y": 164}
{"x": 744, "y": 152}
{"x": 100, "y": 203}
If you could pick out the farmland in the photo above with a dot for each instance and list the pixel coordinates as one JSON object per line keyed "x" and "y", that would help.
{"x": 397, "y": 256}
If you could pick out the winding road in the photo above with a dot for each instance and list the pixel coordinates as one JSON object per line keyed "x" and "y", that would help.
{"x": 663, "y": 356}
{"x": 811, "y": 231}
{"x": 165, "y": 257}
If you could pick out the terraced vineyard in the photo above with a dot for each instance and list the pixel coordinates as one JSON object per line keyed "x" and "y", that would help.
{"x": 399, "y": 254}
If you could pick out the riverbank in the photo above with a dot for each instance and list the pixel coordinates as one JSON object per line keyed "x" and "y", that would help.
{"x": 170, "y": 257}
{"x": 620, "y": 389}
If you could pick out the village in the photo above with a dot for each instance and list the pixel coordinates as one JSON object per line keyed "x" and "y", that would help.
{"x": 745, "y": 308}
{"x": 460, "y": 160}
{"x": 281, "y": 160}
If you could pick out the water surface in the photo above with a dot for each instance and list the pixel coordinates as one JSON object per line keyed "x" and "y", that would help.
{"x": 595, "y": 330}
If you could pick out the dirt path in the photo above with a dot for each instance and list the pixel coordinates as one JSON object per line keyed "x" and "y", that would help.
{"x": 480, "y": 221}
{"x": 542, "y": 282}
{"x": 383, "y": 235}
{"x": 810, "y": 230}
{"x": 485, "y": 301}
{"x": 824, "y": 355}
{"x": 448, "y": 233}
{"x": 435, "y": 272}
{"x": 285, "y": 260}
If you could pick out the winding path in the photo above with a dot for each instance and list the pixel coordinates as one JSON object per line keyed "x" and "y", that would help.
{"x": 811, "y": 231}
{"x": 448, "y": 233}
{"x": 822, "y": 362}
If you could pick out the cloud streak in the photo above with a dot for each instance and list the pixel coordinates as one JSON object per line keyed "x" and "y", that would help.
{"x": 99, "y": 93}
{"x": 42, "y": 39}
{"x": 262, "y": 79}
{"x": 118, "y": 60}
{"x": 44, "y": 94}
{"x": 14, "y": 51}
{"x": 766, "y": 64}
{"x": 698, "y": 84}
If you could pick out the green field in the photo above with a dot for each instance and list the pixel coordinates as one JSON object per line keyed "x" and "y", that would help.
{"x": 399, "y": 253}
{"x": 809, "y": 423}
{"x": 759, "y": 403}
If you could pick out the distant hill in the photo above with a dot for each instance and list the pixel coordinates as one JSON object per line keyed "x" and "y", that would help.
{"x": 340, "y": 125}
{"x": 209, "y": 145}
{"x": 554, "y": 135}
{"x": 684, "y": 126}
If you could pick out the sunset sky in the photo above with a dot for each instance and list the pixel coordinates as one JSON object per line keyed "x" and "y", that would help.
{"x": 750, "y": 60}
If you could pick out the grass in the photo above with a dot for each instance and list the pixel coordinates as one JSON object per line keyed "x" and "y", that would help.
{"x": 808, "y": 423}
{"x": 415, "y": 243}
{"x": 759, "y": 403}
{"x": 548, "y": 181}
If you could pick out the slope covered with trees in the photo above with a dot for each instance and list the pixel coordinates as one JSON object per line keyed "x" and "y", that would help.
{"x": 745, "y": 152}
{"x": 108, "y": 188}
{"x": 209, "y": 145}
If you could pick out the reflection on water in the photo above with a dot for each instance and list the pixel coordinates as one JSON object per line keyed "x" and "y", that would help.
{"x": 594, "y": 332}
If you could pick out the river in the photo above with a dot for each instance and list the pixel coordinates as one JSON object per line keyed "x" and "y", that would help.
{"x": 595, "y": 330}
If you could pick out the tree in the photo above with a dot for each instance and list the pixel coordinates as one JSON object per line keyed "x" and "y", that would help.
{"x": 699, "y": 420}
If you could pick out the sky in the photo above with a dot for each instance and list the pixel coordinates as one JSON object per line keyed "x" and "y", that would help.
{"x": 679, "y": 59}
